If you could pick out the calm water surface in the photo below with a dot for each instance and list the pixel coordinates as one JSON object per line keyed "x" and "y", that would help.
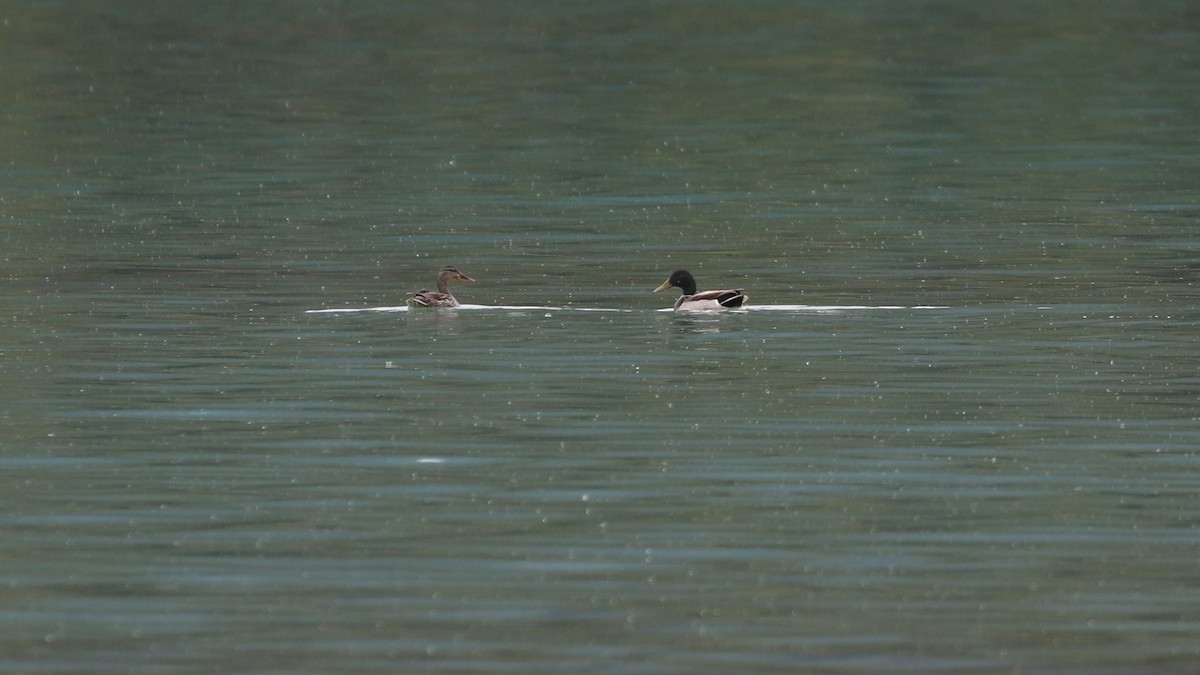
{"x": 957, "y": 430}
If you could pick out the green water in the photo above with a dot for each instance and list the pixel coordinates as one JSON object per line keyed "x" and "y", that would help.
{"x": 955, "y": 431}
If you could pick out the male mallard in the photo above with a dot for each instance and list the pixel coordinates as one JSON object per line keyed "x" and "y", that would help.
{"x": 441, "y": 297}
{"x": 691, "y": 300}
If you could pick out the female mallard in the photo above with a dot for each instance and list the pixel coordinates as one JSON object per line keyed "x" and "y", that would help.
{"x": 441, "y": 297}
{"x": 691, "y": 300}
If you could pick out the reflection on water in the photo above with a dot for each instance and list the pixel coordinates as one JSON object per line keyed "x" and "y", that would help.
{"x": 958, "y": 433}
{"x": 698, "y": 322}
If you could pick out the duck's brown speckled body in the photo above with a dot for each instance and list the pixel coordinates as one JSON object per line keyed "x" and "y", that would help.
{"x": 442, "y": 296}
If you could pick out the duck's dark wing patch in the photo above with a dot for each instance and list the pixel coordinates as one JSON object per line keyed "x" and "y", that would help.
{"x": 724, "y": 298}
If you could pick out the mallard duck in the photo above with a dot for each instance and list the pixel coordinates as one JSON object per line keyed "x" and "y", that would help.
{"x": 691, "y": 300}
{"x": 441, "y": 297}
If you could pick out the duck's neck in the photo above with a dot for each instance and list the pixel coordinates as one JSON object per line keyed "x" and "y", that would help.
{"x": 443, "y": 281}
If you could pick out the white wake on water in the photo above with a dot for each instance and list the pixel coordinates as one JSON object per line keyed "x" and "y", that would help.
{"x": 748, "y": 308}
